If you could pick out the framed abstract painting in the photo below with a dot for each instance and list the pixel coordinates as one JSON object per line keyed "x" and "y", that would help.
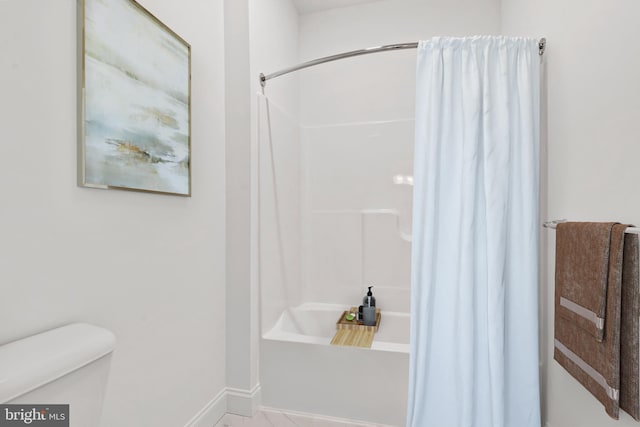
{"x": 135, "y": 100}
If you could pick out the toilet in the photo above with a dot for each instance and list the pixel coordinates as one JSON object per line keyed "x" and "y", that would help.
{"x": 66, "y": 365}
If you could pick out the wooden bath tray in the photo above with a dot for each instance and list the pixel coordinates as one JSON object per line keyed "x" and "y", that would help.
{"x": 354, "y": 332}
{"x": 359, "y": 325}
{"x": 353, "y": 338}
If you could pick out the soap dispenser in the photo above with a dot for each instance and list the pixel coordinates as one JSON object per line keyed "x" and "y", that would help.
{"x": 369, "y": 308}
{"x": 369, "y": 300}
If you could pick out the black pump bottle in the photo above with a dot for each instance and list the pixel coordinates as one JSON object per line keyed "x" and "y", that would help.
{"x": 369, "y": 300}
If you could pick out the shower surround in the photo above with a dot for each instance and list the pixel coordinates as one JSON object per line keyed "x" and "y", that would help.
{"x": 332, "y": 223}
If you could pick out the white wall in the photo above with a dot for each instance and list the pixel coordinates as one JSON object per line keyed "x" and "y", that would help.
{"x": 241, "y": 297}
{"x": 593, "y": 123}
{"x": 150, "y": 268}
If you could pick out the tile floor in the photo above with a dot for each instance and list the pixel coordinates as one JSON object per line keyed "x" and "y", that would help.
{"x": 267, "y": 417}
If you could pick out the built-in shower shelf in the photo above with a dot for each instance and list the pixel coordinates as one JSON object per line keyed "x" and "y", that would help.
{"x": 354, "y": 332}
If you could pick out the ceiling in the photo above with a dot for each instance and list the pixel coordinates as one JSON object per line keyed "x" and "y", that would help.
{"x": 310, "y": 6}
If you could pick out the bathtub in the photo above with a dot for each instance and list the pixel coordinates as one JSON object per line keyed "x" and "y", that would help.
{"x": 316, "y": 324}
{"x": 301, "y": 371}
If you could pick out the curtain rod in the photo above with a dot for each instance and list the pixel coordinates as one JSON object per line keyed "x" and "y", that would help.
{"x": 554, "y": 225}
{"x": 399, "y": 46}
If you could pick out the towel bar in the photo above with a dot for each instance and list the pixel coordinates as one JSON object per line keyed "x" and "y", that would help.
{"x": 553, "y": 224}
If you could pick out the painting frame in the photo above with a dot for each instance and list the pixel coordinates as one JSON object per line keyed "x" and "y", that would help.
{"x": 136, "y": 159}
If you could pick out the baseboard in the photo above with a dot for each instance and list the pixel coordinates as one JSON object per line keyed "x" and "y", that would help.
{"x": 212, "y": 412}
{"x": 243, "y": 402}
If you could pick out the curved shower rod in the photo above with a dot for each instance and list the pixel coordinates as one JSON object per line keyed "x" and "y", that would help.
{"x": 399, "y": 46}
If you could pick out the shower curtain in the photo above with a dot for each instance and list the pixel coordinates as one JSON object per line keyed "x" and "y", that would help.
{"x": 474, "y": 309}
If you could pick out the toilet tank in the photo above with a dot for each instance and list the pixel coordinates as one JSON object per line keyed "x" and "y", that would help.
{"x": 66, "y": 365}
